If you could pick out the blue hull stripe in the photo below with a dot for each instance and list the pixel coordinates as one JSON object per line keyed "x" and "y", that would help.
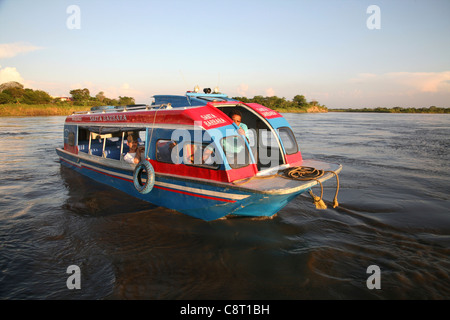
{"x": 202, "y": 193}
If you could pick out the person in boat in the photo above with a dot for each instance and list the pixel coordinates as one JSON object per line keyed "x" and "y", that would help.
{"x": 208, "y": 155}
{"x": 233, "y": 145}
{"x": 165, "y": 151}
{"x": 192, "y": 152}
{"x": 236, "y": 116}
{"x": 135, "y": 152}
{"x": 189, "y": 153}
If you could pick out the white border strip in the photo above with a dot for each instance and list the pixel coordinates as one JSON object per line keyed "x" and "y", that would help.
{"x": 167, "y": 185}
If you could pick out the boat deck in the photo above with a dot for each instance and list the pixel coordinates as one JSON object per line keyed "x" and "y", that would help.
{"x": 271, "y": 184}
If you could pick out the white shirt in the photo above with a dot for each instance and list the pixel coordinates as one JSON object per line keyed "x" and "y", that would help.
{"x": 129, "y": 157}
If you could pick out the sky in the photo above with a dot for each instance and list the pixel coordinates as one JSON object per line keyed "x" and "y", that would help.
{"x": 342, "y": 53}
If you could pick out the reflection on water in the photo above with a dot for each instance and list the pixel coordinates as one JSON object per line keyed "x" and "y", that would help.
{"x": 393, "y": 213}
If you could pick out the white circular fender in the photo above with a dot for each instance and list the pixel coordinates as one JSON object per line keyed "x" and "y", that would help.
{"x": 146, "y": 187}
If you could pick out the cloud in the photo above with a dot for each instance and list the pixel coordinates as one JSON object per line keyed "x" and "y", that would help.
{"x": 125, "y": 90}
{"x": 10, "y": 74}
{"x": 242, "y": 89}
{"x": 363, "y": 77}
{"x": 9, "y": 50}
{"x": 391, "y": 89}
{"x": 270, "y": 92}
{"x": 423, "y": 81}
{"x": 405, "y": 82}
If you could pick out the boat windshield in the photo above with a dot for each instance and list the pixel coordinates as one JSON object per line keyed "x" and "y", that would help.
{"x": 236, "y": 151}
{"x": 288, "y": 140}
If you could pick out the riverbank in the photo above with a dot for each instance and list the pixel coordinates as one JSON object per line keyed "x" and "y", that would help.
{"x": 396, "y": 110}
{"x": 25, "y": 110}
{"x": 313, "y": 109}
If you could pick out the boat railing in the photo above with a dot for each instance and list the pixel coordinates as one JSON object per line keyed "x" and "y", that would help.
{"x": 109, "y": 109}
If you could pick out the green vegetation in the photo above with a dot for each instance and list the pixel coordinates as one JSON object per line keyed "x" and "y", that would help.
{"x": 298, "y": 104}
{"x": 15, "y": 100}
{"x": 13, "y": 92}
{"x": 432, "y": 109}
{"x": 82, "y": 97}
{"x": 32, "y": 110}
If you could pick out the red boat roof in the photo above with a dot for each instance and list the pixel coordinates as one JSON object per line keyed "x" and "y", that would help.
{"x": 208, "y": 116}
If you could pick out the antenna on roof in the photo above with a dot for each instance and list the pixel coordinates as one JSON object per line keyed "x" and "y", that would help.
{"x": 216, "y": 89}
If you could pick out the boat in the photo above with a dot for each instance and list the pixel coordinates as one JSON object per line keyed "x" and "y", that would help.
{"x": 194, "y": 158}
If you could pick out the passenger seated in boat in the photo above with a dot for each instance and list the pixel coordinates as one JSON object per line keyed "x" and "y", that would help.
{"x": 135, "y": 153}
{"x": 208, "y": 154}
{"x": 193, "y": 155}
{"x": 236, "y": 116}
{"x": 190, "y": 153}
{"x": 234, "y": 145}
{"x": 164, "y": 151}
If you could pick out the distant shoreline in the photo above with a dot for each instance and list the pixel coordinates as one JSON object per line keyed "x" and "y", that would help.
{"x": 431, "y": 109}
{"x": 32, "y": 110}
{"x": 24, "y": 110}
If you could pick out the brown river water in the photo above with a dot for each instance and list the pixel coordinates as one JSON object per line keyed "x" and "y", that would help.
{"x": 394, "y": 214}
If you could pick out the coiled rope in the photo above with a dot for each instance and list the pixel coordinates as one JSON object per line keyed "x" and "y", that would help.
{"x": 301, "y": 173}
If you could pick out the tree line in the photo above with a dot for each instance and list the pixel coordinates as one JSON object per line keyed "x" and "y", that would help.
{"x": 82, "y": 97}
{"x": 297, "y": 104}
{"x": 432, "y": 109}
{"x": 14, "y": 92}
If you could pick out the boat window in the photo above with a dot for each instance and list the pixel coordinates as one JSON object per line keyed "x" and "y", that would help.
{"x": 140, "y": 137}
{"x": 269, "y": 153}
{"x": 95, "y": 147}
{"x": 83, "y": 134}
{"x": 236, "y": 151}
{"x": 267, "y": 139}
{"x": 107, "y": 141}
{"x": 167, "y": 151}
{"x": 83, "y": 139}
{"x": 203, "y": 155}
{"x": 288, "y": 140}
{"x": 102, "y": 145}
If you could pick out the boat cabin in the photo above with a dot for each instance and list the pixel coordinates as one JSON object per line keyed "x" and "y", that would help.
{"x": 188, "y": 136}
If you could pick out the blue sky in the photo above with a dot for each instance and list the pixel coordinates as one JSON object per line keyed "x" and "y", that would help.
{"x": 321, "y": 49}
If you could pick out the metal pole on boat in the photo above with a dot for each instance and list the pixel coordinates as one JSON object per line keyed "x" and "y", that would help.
{"x": 121, "y": 146}
{"x": 90, "y": 139}
{"x": 104, "y": 145}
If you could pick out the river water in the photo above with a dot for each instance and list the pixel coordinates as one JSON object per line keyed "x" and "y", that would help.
{"x": 394, "y": 214}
